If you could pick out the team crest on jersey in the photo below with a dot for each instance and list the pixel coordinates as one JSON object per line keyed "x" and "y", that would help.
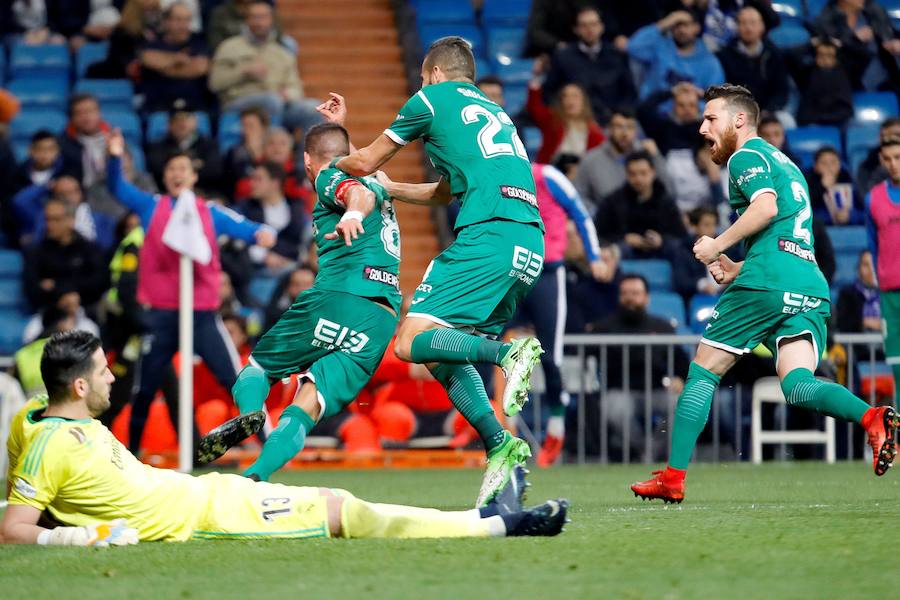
{"x": 331, "y": 336}
{"x": 749, "y": 174}
{"x": 25, "y": 488}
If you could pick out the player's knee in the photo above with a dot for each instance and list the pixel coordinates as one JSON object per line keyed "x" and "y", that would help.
{"x": 307, "y": 399}
{"x": 796, "y": 385}
{"x": 403, "y": 346}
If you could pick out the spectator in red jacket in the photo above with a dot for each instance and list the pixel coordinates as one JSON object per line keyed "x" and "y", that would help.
{"x": 567, "y": 127}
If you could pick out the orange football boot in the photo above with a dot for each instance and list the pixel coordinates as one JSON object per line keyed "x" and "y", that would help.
{"x": 667, "y": 489}
{"x": 882, "y": 425}
{"x": 550, "y": 451}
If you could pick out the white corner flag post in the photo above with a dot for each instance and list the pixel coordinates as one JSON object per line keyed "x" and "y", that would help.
{"x": 184, "y": 234}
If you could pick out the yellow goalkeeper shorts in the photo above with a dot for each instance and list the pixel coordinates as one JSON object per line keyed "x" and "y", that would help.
{"x": 240, "y": 508}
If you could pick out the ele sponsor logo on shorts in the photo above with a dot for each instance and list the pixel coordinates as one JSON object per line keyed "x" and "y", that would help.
{"x": 331, "y": 336}
{"x": 527, "y": 265}
{"x": 797, "y": 303}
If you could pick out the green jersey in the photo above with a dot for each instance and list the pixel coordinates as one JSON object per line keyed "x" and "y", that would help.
{"x": 370, "y": 267}
{"x": 475, "y": 146}
{"x": 781, "y": 256}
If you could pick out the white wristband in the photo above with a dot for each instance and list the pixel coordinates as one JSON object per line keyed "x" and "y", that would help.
{"x": 353, "y": 214}
{"x": 44, "y": 537}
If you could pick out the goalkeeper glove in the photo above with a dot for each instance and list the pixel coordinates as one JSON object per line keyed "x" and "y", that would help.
{"x": 100, "y": 535}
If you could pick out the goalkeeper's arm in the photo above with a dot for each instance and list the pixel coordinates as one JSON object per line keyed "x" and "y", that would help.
{"x": 20, "y": 527}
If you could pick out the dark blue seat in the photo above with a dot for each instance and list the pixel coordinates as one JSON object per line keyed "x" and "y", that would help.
{"x": 470, "y": 33}
{"x": 505, "y": 44}
{"x": 532, "y": 138}
{"x": 88, "y": 54}
{"x": 789, "y": 34}
{"x": 11, "y": 264}
{"x": 12, "y": 295}
{"x": 514, "y": 71}
{"x": 668, "y": 305}
{"x": 505, "y": 12}
{"x": 113, "y": 94}
{"x": 805, "y": 141}
{"x": 848, "y": 238}
{"x": 128, "y": 122}
{"x": 40, "y": 61}
{"x": 41, "y": 92}
{"x": 657, "y": 272}
{"x": 874, "y": 107}
{"x": 700, "y": 311}
{"x": 30, "y": 121}
{"x": 845, "y": 274}
{"x": 137, "y": 155}
{"x": 445, "y": 11}
{"x": 515, "y": 96}
{"x": 861, "y": 137}
{"x": 789, "y": 10}
{"x": 12, "y": 326}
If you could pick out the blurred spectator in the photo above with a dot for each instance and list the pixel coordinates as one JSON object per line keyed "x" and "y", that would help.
{"x": 253, "y": 69}
{"x": 175, "y": 65}
{"x": 772, "y": 130}
{"x": 831, "y": 190}
{"x": 721, "y": 21}
{"x": 140, "y": 24}
{"x": 590, "y": 299}
{"x": 708, "y": 190}
{"x": 63, "y": 268}
{"x": 229, "y": 303}
{"x": 689, "y": 275}
{"x": 826, "y": 97}
{"x": 568, "y": 127}
{"x": 70, "y": 306}
{"x": 671, "y": 52}
{"x": 492, "y": 87}
{"x": 624, "y": 18}
{"x": 871, "y": 172}
{"x": 248, "y": 152}
{"x": 602, "y": 170}
{"x": 44, "y": 22}
{"x": 751, "y": 60}
{"x": 858, "y": 309}
{"x": 278, "y": 147}
{"x": 824, "y": 250}
{"x": 599, "y": 68}
{"x": 158, "y": 276}
{"x": 550, "y": 26}
{"x": 44, "y": 161}
{"x": 268, "y": 205}
{"x": 290, "y": 286}
{"x": 27, "y": 359}
{"x": 30, "y": 202}
{"x": 123, "y": 311}
{"x": 7, "y": 173}
{"x": 641, "y": 216}
{"x": 183, "y": 137}
{"x": 227, "y": 20}
{"x": 83, "y": 144}
{"x": 678, "y": 129}
{"x": 863, "y": 32}
{"x": 102, "y": 21}
{"x": 623, "y": 406}
{"x": 678, "y": 139}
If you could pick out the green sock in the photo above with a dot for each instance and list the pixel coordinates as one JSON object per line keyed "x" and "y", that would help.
{"x": 251, "y": 389}
{"x": 456, "y": 347}
{"x": 466, "y": 391}
{"x": 284, "y": 443}
{"x": 802, "y": 389}
{"x": 691, "y": 414}
{"x": 896, "y": 370}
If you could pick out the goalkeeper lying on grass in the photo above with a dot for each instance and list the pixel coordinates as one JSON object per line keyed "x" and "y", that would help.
{"x": 68, "y": 464}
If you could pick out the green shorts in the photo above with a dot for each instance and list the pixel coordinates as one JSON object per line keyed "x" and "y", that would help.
{"x": 335, "y": 340}
{"x": 744, "y": 318}
{"x": 477, "y": 282}
{"x": 890, "y": 325}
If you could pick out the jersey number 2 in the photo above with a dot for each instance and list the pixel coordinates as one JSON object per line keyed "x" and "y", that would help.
{"x": 487, "y": 136}
{"x": 800, "y": 231}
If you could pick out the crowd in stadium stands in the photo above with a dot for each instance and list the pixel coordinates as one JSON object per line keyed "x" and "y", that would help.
{"x": 609, "y": 92}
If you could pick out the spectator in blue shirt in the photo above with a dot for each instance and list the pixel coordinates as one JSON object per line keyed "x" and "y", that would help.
{"x": 176, "y": 64}
{"x": 672, "y": 51}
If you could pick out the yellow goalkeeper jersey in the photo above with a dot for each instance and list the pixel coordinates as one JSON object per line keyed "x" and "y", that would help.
{"x": 79, "y": 472}
{"x": 17, "y": 433}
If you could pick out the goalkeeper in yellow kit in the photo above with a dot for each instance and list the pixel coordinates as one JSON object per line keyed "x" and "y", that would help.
{"x": 69, "y": 467}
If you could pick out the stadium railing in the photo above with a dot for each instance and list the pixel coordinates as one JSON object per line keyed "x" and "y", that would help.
{"x": 583, "y": 372}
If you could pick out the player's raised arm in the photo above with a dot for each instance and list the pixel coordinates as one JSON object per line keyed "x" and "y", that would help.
{"x": 436, "y": 193}
{"x": 359, "y": 201}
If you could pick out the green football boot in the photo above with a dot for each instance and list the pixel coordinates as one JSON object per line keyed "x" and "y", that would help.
{"x": 501, "y": 463}
{"x": 517, "y": 366}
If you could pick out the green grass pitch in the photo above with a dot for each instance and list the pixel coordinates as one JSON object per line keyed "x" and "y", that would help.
{"x": 795, "y": 530}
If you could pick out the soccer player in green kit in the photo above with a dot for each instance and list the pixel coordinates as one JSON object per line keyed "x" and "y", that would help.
{"x": 335, "y": 334}
{"x": 776, "y": 296}
{"x": 472, "y": 288}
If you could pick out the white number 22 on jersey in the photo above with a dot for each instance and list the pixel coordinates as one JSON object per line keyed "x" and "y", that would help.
{"x": 801, "y": 232}
{"x": 487, "y": 136}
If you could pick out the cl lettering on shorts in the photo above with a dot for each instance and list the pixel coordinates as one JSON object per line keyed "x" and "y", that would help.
{"x": 331, "y": 335}
{"x": 517, "y": 193}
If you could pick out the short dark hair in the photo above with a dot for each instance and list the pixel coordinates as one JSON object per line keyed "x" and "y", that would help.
{"x": 453, "y": 55}
{"x": 624, "y": 111}
{"x": 489, "y": 80}
{"x": 258, "y": 112}
{"x": 327, "y": 140}
{"x": 639, "y": 155}
{"x": 67, "y": 207}
{"x": 889, "y": 122}
{"x": 698, "y": 213}
{"x": 66, "y": 357}
{"x": 583, "y": 9}
{"x": 735, "y": 96}
{"x": 890, "y": 141}
{"x": 564, "y": 161}
{"x": 40, "y": 135}
{"x": 767, "y": 118}
{"x": 178, "y": 154}
{"x": 826, "y": 150}
{"x": 273, "y": 169}
{"x": 637, "y": 276}
{"x": 79, "y": 97}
